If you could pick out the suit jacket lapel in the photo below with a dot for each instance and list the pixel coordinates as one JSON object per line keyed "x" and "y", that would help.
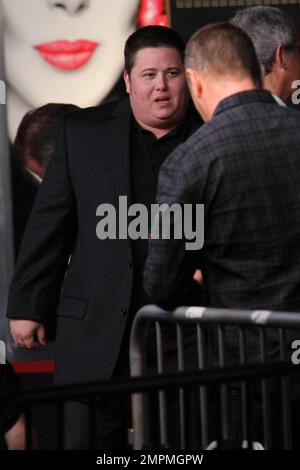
{"x": 118, "y": 149}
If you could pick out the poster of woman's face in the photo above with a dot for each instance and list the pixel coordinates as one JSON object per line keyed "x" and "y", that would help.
{"x": 68, "y": 51}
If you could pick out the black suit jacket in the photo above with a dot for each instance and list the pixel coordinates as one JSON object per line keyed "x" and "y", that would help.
{"x": 86, "y": 171}
{"x": 244, "y": 166}
{"x": 91, "y": 167}
{"x": 24, "y": 189}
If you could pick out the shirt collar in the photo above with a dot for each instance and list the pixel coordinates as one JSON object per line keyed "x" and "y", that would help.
{"x": 175, "y": 132}
{"x": 279, "y": 101}
{"x": 244, "y": 97}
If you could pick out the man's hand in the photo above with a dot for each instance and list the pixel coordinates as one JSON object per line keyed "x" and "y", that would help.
{"x": 27, "y": 333}
{"x": 198, "y": 277}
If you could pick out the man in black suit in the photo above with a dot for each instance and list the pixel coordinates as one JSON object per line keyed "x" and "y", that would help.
{"x": 244, "y": 166}
{"x": 103, "y": 153}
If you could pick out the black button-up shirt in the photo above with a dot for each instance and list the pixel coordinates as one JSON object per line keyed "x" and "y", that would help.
{"x": 147, "y": 153}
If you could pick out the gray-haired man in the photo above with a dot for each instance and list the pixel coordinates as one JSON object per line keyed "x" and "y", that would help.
{"x": 277, "y": 45}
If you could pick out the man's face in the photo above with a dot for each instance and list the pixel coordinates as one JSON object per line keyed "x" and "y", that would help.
{"x": 157, "y": 88}
{"x": 292, "y": 73}
{"x": 293, "y": 70}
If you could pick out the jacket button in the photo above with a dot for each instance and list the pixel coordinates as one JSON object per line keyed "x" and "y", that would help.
{"x": 124, "y": 311}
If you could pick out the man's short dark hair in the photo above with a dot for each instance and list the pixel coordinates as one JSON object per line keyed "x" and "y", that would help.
{"x": 37, "y": 133}
{"x": 151, "y": 36}
{"x": 268, "y": 28}
{"x": 222, "y": 49}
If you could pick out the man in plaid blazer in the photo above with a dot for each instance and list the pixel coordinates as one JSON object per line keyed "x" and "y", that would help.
{"x": 244, "y": 166}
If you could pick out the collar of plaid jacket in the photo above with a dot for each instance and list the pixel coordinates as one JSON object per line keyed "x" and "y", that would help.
{"x": 244, "y": 97}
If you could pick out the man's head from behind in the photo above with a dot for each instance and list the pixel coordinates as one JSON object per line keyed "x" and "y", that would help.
{"x": 274, "y": 35}
{"x": 155, "y": 79}
{"x": 35, "y": 142}
{"x": 220, "y": 60}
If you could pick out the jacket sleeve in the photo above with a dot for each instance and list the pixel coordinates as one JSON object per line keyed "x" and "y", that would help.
{"x": 47, "y": 243}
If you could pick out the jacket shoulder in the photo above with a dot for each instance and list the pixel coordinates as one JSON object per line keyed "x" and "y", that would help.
{"x": 93, "y": 114}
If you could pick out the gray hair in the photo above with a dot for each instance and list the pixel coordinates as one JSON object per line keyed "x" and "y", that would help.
{"x": 268, "y": 27}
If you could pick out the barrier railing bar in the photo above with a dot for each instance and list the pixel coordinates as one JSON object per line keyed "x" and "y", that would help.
{"x": 223, "y": 389}
{"x": 161, "y": 393}
{"x": 182, "y": 409}
{"x": 222, "y": 316}
{"x": 265, "y": 393}
{"x": 144, "y": 384}
{"x": 201, "y": 346}
{"x": 246, "y": 424}
{"x": 286, "y": 409}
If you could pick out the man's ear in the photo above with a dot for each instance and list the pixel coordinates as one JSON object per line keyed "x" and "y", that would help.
{"x": 195, "y": 82}
{"x": 127, "y": 81}
{"x": 280, "y": 57}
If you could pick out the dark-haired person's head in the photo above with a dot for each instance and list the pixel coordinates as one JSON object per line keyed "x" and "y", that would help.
{"x": 36, "y": 137}
{"x": 151, "y": 36}
{"x": 155, "y": 78}
{"x": 276, "y": 41}
{"x": 220, "y": 60}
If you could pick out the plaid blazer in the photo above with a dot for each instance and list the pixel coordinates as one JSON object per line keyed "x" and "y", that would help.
{"x": 244, "y": 166}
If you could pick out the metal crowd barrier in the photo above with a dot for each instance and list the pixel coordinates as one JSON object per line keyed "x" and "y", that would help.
{"x": 197, "y": 388}
{"x": 250, "y": 353}
{"x": 28, "y": 401}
